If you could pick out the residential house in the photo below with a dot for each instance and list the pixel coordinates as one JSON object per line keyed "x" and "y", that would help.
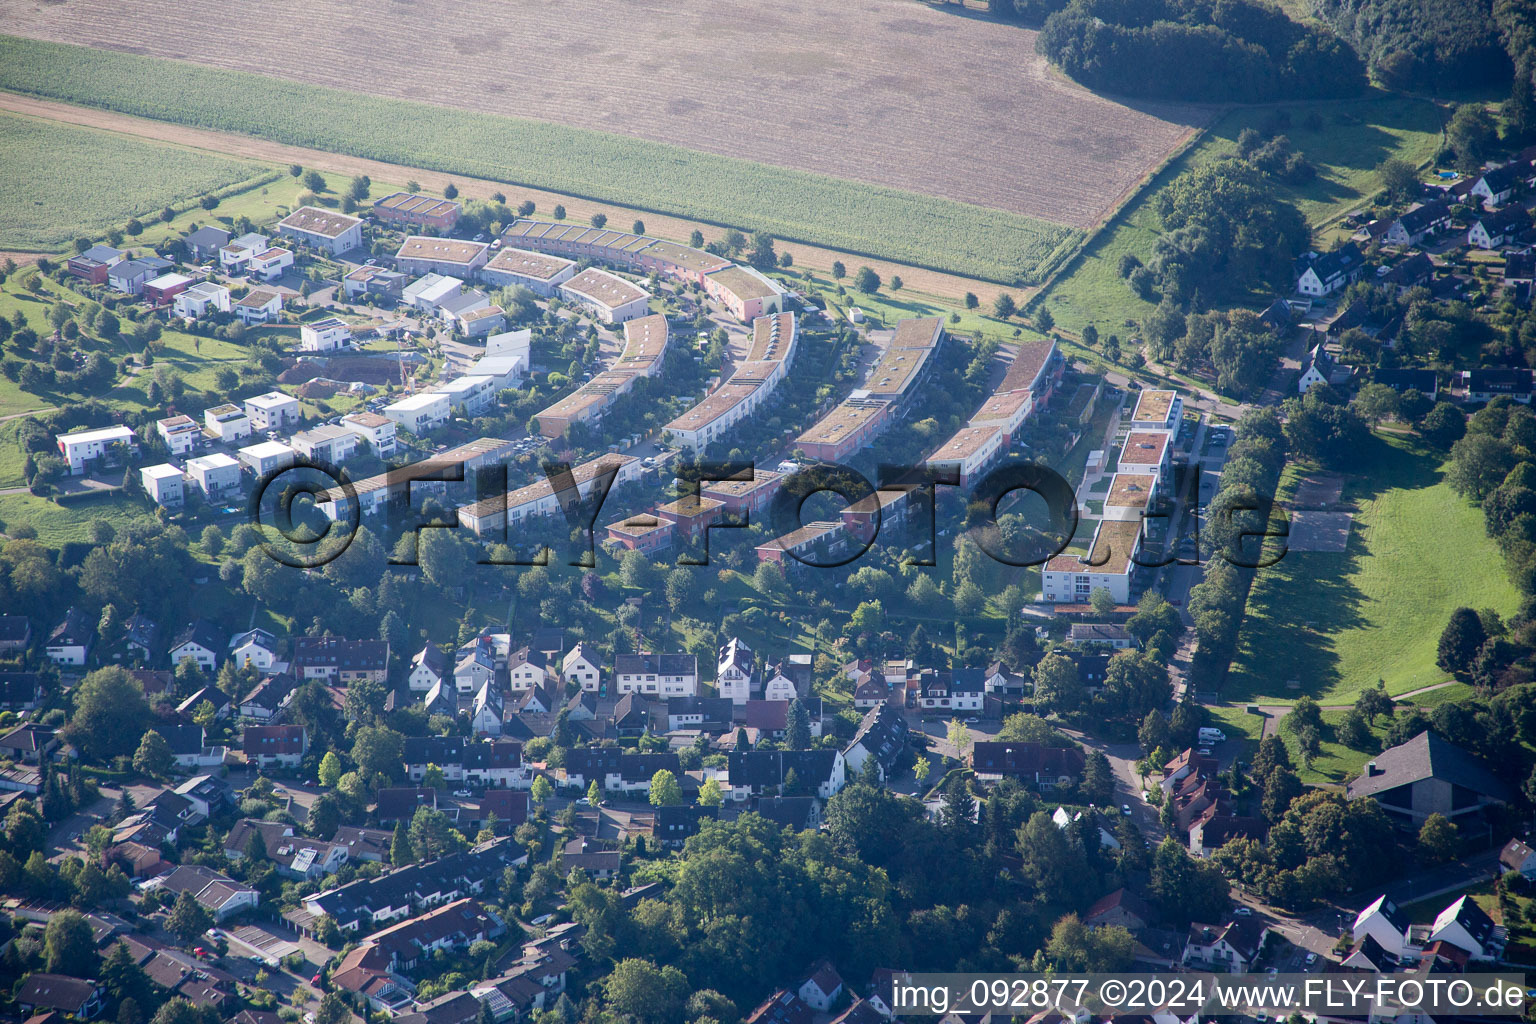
{"x": 1466, "y": 926}
{"x": 15, "y": 637}
{"x": 616, "y": 770}
{"x": 201, "y": 641}
{"x": 180, "y": 434}
{"x": 1320, "y": 276}
{"x": 70, "y": 642}
{"x": 1418, "y": 223}
{"x": 1500, "y": 228}
{"x": 882, "y": 735}
{"x": 429, "y": 666}
{"x": 279, "y": 745}
{"x": 254, "y": 647}
{"x": 220, "y": 895}
{"x": 676, "y": 824}
{"x": 1497, "y": 186}
{"x": 378, "y": 432}
{"x": 1121, "y": 908}
{"x": 821, "y": 986}
{"x": 84, "y": 448}
{"x": 20, "y": 691}
{"x": 1317, "y": 367}
{"x": 1033, "y": 764}
{"x": 581, "y": 666}
{"x": 216, "y": 475}
{"x": 783, "y": 1007}
{"x": 1233, "y": 947}
{"x": 819, "y": 773}
{"x": 1385, "y": 923}
{"x": 227, "y": 422}
{"x": 1519, "y": 857}
{"x": 341, "y": 660}
{"x": 1485, "y": 385}
{"x": 663, "y": 675}
{"x": 325, "y": 335}
{"x": 206, "y": 241}
{"x": 259, "y": 306}
{"x": 198, "y": 299}
{"x": 273, "y": 411}
{"x": 735, "y": 671}
{"x": 234, "y": 256}
{"x": 59, "y": 993}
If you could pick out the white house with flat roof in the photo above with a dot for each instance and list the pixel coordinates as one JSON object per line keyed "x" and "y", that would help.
{"x": 1147, "y": 452}
{"x": 198, "y": 299}
{"x": 269, "y": 264}
{"x": 378, "y": 432}
{"x": 1108, "y": 564}
{"x": 503, "y": 371}
{"x": 472, "y": 394}
{"x": 181, "y": 434}
{"x": 267, "y": 457}
{"x": 429, "y": 292}
{"x": 83, "y": 447}
{"x": 234, "y": 253}
{"x": 325, "y": 335}
{"x": 227, "y": 422}
{"x": 217, "y": 475}
{"x": 323, "y": 229}
{"x": 1158, "y": 410}
{"x": 259, "y": 305}
{"x": 420, "y": 414}
{"x": 163, "y": 484}
{"x": 325, "y": 443}
{"x": 510, "y": 343}
{"x": 273, "y": 411}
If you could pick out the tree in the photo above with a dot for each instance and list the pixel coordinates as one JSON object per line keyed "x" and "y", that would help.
{"x": 1280, "y": 788}
{"x": 401, "y": 852}
{"x": 665, "y": 791}
{"x": 594, "y": 793}
{"x": 559, "y": 212}
{"x": 1374, "y": 701}
{"x": 188, "y": 920}
{"x": 333, "y": 1009}
{"x": 649, "y": 994}
{"x": 1057, "y": 685}
{"x": 1153, "y": 732}
{"x": 1460, "y": 641}
{"x": 797, "y": 726}
{"x": 599, "y": 220}
{"x": 433, "y": 777}
{"x": 838, "y": 270}
{"x": 69, "y": 946}
{"x": 1353, "y": 732}
{"x": 958, "y": 735}
{"x": 110, "y": 714}
{"x": 542, "y": 790}
{"x": 971, "y": 301}
{"x": 314, "y": 181}
{"x": 1003, "y": 307}
{"x": 377, "y": 749}
{"x": 1375, "y": 402}
{"x": 711, "y": 794}
{"x": 295, "y": 169}
{"x": 1102, "y": 600}
{"x": 450, "y": 191}
{"x": 1399, "y": 178}
{"x": 866, "y": 281}
{"x": 1439, "y": 839}
{"x": 1443, "y": 425}
{"x": 330, "y": 770}
{"x": 154, "y": 757}
{"x": 1472, "y": 133}
{"x": 432, "y": 835}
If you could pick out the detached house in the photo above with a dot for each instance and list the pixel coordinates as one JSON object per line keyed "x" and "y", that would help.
{"x": 429, "y": 666}
{"x": 201, "y": 642}
{"x": 345, "y": 661}
{"x": 1233, "y": 947}
{"x": 1319, "y": 276}
{"x": 1464, "y": 925}
{"x": 581, "y": 666}
{"x": 882, "y": 735}
{"x": 1419, "y": 223}
{"x": 1386, "y": 924}
{"x": 1497, "y": 187}
{"x": 268, "y": 745}
{"x": 70, "y": 642}
{"x": 1034, "y": 764}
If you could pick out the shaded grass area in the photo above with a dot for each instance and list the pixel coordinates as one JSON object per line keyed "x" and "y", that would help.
{"x": 818, "y": 209}
{"x": 1339, "y": 622}
{"x": 59, "y": 182}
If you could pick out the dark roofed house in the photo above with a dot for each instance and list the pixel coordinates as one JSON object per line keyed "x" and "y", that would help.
{"x": 1034, "y": 764}
{"x": 1101, "y": 633}
{"x": 1318, "y": 276}
{"x": 397, "y": 803}
{"x": 1232, "y": 947}
{"x": 676, "y": 823}
{"x": 61, "y": 993}
{"x": 329, "y": 657}
{"x": 15, "y": 633}
{"x": 30, "y": 743}
{"x": 509, "y": 805}
{"x": 70, "y": 642}
{"x": 1410, "y": 273}
{"x": 20, "y": 691}
{"x": 1400, "y": 380}
{"x": 800, "y": 813}
{"x": 882, "y": 734}
{"x": 1428, "y": 775}
{"x": 1484, "y": 385}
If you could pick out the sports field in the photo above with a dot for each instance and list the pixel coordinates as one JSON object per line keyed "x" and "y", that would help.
{"x": 59, "y": 182}
{"x": 850, "y": 170}
{"x": 1337, "y": 622}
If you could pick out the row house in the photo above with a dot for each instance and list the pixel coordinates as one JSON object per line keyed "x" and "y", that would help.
{"x": 341, "y": 660}
{"x": 882, "y": 735}
{"x": 1034, "y": 764}
{"x": 819, "y": 773}
{"x": 495, "y": 762}
{"x": 616, "y": 770}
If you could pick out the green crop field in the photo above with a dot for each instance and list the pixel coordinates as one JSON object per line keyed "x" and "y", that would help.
{"x": 59, "y": 182}
{"x": 1346, "y": 141}
{"x": 817, "y": 209}
{"x": 1339, "y": 622}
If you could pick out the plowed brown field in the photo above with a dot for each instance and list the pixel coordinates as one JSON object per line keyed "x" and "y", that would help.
{"x": 886, "y": 91}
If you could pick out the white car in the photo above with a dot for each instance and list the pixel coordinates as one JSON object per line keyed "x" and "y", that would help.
{"x": 1311, "y": 959}
{"x": 1125, "y": 809}
{"x": 462, "y": 793}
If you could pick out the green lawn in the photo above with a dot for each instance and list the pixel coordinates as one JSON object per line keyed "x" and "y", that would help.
{"x": 1346, "y": 143}
{"x": 853, "y": 216}
{"x": 59, "y": 524}
{"x": 59, "y": 182}
{"x": 1339, "y": 622}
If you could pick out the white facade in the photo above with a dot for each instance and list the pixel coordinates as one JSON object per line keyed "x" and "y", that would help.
{"x": 83, "y": 446}
{"x": 235, "y": 253}
{"x": 378, "y": 432}
{"x": 197, "y": 300}
{"x": 270, "y": 264}
{"x": 227, "y": 422}
{"x": 216, "y": 475}
{"x": 325, "y": 443}
{"x": 258, "y": 306}
{"x": 472, "y": 394}
{"x": 323, "y": 229}
{"x": 420, "y": 414}
{"x": 1383, "y": 922}
{"x": 163, "y": 484}
{"x": 325, "y": 335}
{"x": 273, "y": 411}
{"x": 180, "y": 433}
{"x": 582, "y": 668}
{"x": 267, "y": 457}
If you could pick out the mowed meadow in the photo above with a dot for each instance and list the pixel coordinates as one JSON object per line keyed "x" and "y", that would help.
{"x": 843, "y": 165}
{"x": 59, "y": 182}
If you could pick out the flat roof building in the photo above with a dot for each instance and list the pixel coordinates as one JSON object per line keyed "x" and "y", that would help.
{"x": 323, "y": 229}
{"x": 539, "y": 272}
{"x": 422, "y": 254}
{"x": 610, "y": 298}
{"x": 163, "y": 484}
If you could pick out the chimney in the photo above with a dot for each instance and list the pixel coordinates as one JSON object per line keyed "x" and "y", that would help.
{"x": 1371, "y": 769}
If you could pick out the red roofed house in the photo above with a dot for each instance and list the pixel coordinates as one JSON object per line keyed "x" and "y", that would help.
{"x": 268, "y": 745}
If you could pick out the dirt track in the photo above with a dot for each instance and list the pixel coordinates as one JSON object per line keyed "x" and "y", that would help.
{"x": 578, "y": 210}
{"x": 931, "y": 98}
